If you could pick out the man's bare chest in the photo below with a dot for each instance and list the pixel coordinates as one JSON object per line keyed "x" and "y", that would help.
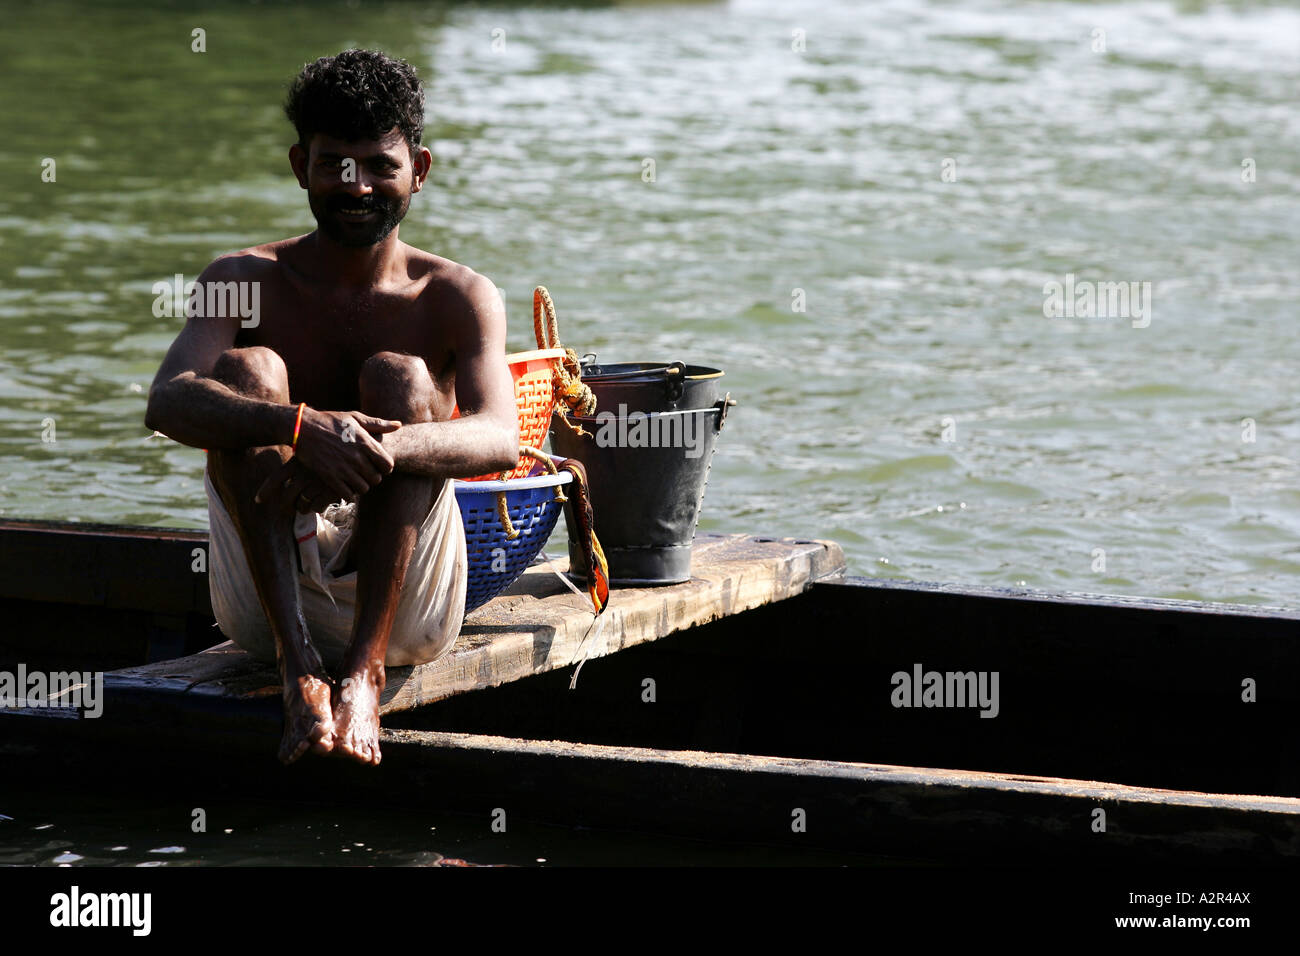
{"x": 325, "y": 339}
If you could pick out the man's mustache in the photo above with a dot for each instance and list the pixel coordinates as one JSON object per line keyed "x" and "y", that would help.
{"x": 338, "y": 204}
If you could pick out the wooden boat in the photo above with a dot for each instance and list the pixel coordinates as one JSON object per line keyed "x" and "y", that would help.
{"x": 759, "y": 703}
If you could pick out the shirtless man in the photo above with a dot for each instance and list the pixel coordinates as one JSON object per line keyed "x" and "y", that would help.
{"x": 352, "y": 318}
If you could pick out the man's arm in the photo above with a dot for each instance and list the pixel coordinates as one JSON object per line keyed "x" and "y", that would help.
{"x": 186, "y": 404}
{"x": 485, "y": 438}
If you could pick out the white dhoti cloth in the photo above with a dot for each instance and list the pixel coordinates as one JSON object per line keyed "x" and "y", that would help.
{"x": 429, "y": 610}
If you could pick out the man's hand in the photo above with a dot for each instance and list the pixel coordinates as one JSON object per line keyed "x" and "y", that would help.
{"x": 338, "y": 448}
{"x": 337, "y": 459}
{"x": 293, "y": 485}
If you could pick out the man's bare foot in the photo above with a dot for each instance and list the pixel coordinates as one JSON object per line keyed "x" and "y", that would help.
{"x": 356, "y": 715}
{"x": 308, "y": 720}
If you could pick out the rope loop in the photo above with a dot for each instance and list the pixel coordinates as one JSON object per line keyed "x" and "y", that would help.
{"x": 567, "y": 376}
{"x": 503, "y": 506}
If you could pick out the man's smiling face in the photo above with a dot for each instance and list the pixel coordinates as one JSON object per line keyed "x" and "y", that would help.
{"x": 360, "y": 190}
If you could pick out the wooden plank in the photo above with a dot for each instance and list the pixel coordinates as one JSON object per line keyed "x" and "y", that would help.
{"x": 538, "y": 625}
{"x": 877, "y": 808}
{"x": 413, "y": 742}
{"x": 107, "y": 566}
{"x": 918, "y": 813}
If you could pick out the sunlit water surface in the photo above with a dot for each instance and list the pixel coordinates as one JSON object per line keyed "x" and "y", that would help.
{"x": 854, "y": 211}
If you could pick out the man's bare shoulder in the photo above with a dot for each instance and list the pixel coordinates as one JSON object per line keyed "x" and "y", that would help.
{"x": 253, "y": 263}
{"x": 438, "y": 272}
{"x": 455, "y": 289}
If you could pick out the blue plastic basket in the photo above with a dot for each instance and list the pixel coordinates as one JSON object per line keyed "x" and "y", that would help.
{"x": 495, "y": 561}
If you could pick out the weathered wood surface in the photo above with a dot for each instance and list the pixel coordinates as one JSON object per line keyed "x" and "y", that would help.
{"x": 876, "y": 808}
{"x": 915, "y": 813}
{"x": 413, "y": 743}
{"x": 538, "y": 625}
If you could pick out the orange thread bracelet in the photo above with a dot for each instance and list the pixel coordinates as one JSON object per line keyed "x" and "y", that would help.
{"x": 297, "y": 425}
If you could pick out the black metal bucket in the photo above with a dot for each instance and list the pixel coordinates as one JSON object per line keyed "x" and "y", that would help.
{"x": 647, "y": 452}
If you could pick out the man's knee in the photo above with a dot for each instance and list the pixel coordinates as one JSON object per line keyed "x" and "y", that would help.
{"x": 397, "y": 386}
{"x": 256, "y": 372}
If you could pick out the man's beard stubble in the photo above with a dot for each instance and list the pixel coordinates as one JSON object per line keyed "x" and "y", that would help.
{"x": 357, "y": 235}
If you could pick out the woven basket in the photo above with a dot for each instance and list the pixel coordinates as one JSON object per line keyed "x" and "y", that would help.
{"x": 535, "y": 400}
{"x": 496, "y": 561}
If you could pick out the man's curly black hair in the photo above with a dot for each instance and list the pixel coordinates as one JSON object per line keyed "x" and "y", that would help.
{"x": 359, "y": 94}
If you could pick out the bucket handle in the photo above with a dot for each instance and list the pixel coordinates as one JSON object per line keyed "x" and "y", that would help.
{"x": 722, "y": 405}
{"x": 674, "y": 375}
{"x": 676, "y": 368}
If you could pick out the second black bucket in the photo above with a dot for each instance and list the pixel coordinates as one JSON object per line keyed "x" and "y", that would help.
{"x": 647, "y": 452}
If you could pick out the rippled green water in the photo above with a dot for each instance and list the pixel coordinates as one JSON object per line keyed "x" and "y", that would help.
{"x": 776, "y": 170}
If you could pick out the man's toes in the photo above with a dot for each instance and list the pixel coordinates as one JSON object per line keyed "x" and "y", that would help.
{"x": 363, "y": 751}
{"x": 322, "y": 734}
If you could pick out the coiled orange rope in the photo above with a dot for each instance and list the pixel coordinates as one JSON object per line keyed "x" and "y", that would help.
{"x": 567, "y": 380}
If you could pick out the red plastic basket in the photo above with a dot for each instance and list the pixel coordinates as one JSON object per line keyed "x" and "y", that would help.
{"x": 533, "y": 373}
